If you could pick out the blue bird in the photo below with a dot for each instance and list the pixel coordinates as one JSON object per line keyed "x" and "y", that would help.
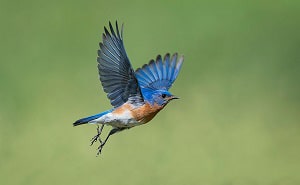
{"x": 137, "y": 96}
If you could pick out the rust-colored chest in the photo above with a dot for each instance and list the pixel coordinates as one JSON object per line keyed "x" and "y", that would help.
{"x": 146, "y": 112}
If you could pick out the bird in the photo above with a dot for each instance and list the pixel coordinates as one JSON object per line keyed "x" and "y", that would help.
{"x": 136, "y": 95}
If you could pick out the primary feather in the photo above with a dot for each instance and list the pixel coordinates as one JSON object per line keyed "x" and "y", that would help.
{"x": 159, "y": 74}
{"x": 116, "y": 74}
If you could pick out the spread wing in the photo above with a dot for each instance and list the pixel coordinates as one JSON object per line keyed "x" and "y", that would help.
{"x": 116, "y": 74}
{"x": 159, "y": 74}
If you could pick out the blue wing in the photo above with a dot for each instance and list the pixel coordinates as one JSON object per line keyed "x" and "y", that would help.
{"x": 116, "y": 74}
{"x": 159, "y": 74}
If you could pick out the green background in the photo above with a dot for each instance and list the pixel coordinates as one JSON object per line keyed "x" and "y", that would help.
{"x": 237, "y": 121}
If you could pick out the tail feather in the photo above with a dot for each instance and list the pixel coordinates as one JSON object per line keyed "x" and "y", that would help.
{"x": 90, "y": 118}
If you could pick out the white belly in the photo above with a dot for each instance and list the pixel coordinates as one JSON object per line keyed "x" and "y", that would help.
{"x": 117, "y": 120}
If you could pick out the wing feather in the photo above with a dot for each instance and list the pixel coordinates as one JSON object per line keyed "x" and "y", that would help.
{"x": 159, "y": 74}
{"x": 116, "y": 74}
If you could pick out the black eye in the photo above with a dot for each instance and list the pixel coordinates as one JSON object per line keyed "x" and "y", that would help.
{"x": 163, "y": 95}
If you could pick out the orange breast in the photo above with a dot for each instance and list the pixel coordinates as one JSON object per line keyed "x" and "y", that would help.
{"x": 146, "y": 112}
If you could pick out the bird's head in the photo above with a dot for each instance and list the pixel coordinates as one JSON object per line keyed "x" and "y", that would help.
{"x": 162, "y": 97}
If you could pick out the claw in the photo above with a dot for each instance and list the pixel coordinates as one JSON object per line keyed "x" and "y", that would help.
{"x": 112, "y": 131}
{"x": 94, "y": 139}
{"x": 100, "y": 149}
{"x": 97, "y": 137}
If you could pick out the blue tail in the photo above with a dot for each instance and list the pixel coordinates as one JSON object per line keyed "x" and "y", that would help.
{"x": 90, "y": 118}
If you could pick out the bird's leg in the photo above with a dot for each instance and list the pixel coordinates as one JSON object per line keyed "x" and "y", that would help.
{"x": 112, "y": 131}
{"x": 97, "y": 137}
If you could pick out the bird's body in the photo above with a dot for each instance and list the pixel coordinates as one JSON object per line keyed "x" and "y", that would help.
{"x": 137, "y": 96}
{"x": 128, "y": 115}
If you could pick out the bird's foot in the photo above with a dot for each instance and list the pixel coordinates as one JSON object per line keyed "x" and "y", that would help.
{"x": 100, "y": 148}
{"x": 112, "y": 131}
{"x": 97, "y": 137}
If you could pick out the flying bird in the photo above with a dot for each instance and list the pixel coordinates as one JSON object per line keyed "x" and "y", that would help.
{"x": 136, "y": 96}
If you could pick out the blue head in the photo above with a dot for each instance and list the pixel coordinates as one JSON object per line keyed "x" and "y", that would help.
{"x": 159, "y": 97}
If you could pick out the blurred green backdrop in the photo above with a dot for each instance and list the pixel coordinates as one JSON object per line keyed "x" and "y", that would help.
{"x": 237, "y": 121}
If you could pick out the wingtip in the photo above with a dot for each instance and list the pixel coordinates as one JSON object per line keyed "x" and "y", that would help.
{"x": 179, "y": 62}
{"x": 181, "y": 58}
{"x": 175, "y": 55}
{"x": 151, "y": 62}
{"x": 120, "y": 34}
{"x": 158, "y": 58}
{"x": 122, "y": 28}
{"x": 106, "y": 31}
{"x": 167, "y": 56}
{"x": 111, "y": 28}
